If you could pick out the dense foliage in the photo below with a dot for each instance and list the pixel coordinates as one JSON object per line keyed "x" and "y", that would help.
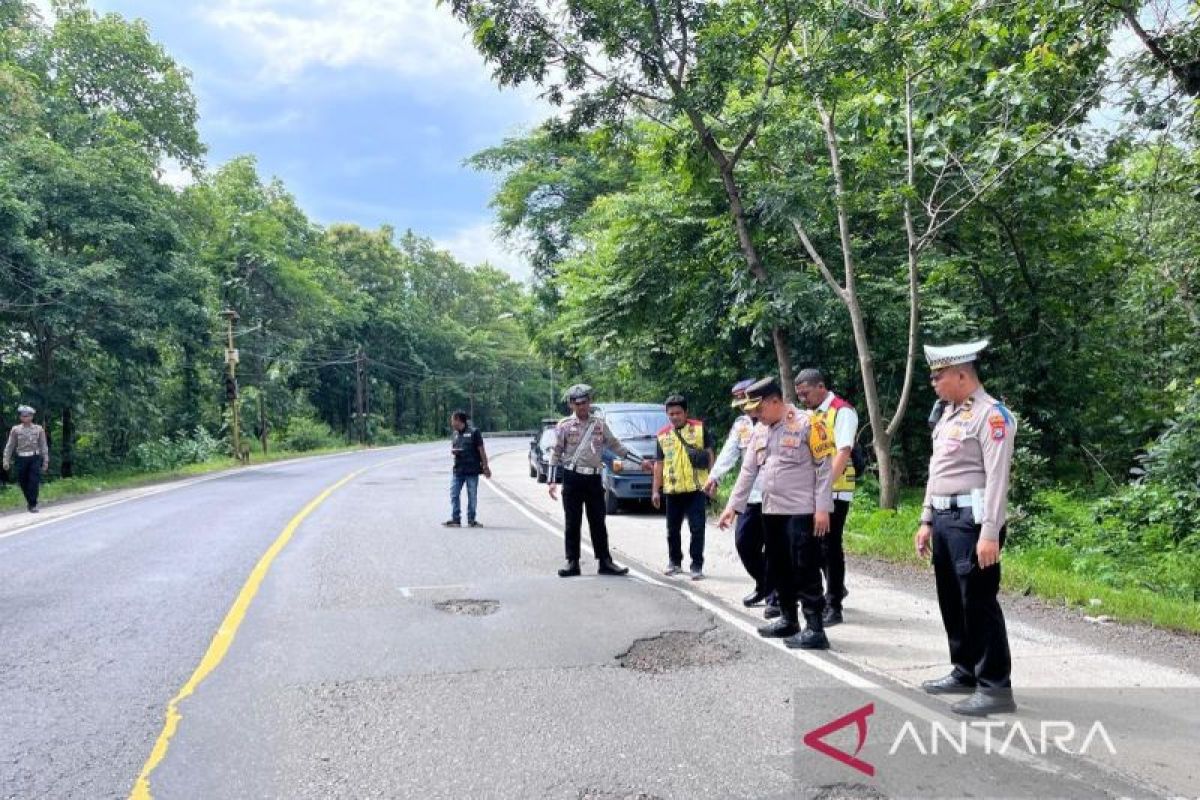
{"x": 112, "y": 282}
{"x": 906, "y": 173}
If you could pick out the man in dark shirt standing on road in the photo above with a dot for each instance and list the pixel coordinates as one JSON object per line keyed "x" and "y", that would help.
{"x": 470, "y": 460}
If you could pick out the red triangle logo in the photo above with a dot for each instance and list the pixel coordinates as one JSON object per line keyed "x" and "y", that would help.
{"x": 814, "y": 739}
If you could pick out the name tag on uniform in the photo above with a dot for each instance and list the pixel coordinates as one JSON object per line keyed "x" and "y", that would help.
{"x": 790, "y": 441}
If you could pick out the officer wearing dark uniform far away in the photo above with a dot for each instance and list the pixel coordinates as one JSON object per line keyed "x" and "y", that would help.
{"x": 797, "y": 499}
{"x": 963, "y": 526}
{"x": 575, "y": 459}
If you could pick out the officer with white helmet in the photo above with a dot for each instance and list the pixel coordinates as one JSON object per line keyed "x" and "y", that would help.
{"x": 963, "y": 527}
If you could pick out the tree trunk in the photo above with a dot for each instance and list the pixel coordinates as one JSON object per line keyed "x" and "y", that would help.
{"x": 189, "y": 414}
{"x": 750, "y": 254}
{"x": 262, "y": 421}
{"x": 67, "y": 458}
{"x": 397, "y": 407}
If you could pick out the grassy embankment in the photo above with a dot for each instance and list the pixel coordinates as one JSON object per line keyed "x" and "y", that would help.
{"x": 1051, "y": 554}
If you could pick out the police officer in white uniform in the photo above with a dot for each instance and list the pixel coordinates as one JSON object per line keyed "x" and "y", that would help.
{"x": 963, "y": 527}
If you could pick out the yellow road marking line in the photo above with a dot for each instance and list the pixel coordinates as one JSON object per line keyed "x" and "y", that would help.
{"x": 225, "y": 635}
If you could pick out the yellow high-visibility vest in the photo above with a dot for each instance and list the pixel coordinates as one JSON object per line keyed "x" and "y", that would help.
{"x": 845, "y": 482}
{"x": 679, "y": 475}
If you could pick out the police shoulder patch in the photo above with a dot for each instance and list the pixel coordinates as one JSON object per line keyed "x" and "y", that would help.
{"x": 998, "y": 422}
{"x": 1003, "y": 411}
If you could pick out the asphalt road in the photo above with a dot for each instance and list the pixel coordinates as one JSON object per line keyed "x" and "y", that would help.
{"x": 386, "y": 656}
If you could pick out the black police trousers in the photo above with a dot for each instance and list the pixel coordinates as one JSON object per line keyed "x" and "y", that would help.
{"x": 794, "y": 563}
{"x": 29, "y": 475}
{"x": 580, "y": 493}
{"x": 748, "y": 538}
{"x": 967, "y": 597}
{"x": 834, "y": 554}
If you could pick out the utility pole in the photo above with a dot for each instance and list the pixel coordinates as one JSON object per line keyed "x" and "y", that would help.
{"x": 231, "y": 387}
{"x": 360, "y": 372}
{"x": 366, "y": 382}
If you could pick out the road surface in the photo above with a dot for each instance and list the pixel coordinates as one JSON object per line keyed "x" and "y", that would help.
{"x": 309, "y": 630}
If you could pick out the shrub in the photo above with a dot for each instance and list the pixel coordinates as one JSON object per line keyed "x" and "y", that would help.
{"x": 1167, "y": 495}
{"x": 306, "y": 433}
{"x": 167, "y": 453}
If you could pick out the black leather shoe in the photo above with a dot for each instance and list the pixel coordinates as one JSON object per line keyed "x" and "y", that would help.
{"x": 779, "y": 629}
{"x": 754, "y": 598}
{"x": 569, "y": 570}
{"x": 608, "y": 567}
{"x": 831, "y": 616}
{"x": 808, "y": 639}
{"x": 986, "y": 701}
{"x": 951, "y": 684}
{"x": 771, "y": 612}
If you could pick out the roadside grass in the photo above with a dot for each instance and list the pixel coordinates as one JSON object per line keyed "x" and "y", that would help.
{"x": 1060, "y": 573}
{"x": 1050, "y": 554}
{"x": 85, "y": 485}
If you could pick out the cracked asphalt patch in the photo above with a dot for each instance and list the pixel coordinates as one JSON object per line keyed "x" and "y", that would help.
{"x": 845, "y": 791}
{"x": 675, "y": 650}
{"x": 600, "y": 794}
{"x": 468, "y": 608}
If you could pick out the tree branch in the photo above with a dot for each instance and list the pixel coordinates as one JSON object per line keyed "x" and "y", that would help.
{"x": 768, "y": 84}
{"x": 816, "y": 257}
{"x": 936, "y": 226}
{"x": 914, "y": 288}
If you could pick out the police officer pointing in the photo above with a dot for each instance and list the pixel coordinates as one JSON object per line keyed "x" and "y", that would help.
{"x": 963, "y": 526}
{"x": 796, "y": 503}
{"x": 576, "y": 459}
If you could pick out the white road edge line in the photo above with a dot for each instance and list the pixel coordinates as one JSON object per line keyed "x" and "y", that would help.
{"x": 175, "y": 485}
{"x": 891, "y": 696}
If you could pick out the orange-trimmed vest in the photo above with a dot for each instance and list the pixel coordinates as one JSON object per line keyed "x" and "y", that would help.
{"x": 679, "y": 475}
{"x": 826, "y": 418}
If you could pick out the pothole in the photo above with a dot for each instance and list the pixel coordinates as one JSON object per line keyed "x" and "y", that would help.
{"x": 601, "y": 794}
{"x": 845, "y": 791}
{"x": 673, "y": 650}
{"x": 468, "y": 608}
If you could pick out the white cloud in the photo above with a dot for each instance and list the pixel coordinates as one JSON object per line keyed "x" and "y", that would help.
{"x": 171, "y": 173}
{"x": 43, "y": 7}
{"x": 478, "y": 243}
{"x": 285, "y": 120}
{"x": 412, "y": 39}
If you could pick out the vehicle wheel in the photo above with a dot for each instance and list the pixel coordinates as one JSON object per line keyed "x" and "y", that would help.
{"x": 612, "y": 503}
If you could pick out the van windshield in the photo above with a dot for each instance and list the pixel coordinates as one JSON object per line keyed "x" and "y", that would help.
{"x": 635, "y": 424}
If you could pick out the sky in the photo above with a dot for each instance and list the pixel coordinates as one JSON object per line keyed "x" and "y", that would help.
{"x": 365, "y": 109}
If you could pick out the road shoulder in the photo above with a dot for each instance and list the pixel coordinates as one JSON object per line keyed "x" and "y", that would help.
{"x": 893, "y": 628}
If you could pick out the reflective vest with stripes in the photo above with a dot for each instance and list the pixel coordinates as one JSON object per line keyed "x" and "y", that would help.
{"x": 678, "y": 473}
{"x": 845, "y": 483}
